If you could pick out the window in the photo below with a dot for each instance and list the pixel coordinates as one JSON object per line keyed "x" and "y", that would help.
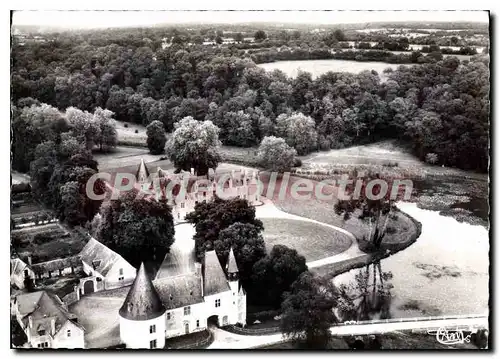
{"x": 217, "y": 303}
{"x": 169, "y": 316}
{"x": 182, "y": 205}
{"x": 43, "y": 345}
{"x": 120, "y": 278}
{"x": 121, "y": 271}
{"x": 68, "y": 333}
{"x": 152, "y": 344}
{"x": 198, "y": 323}
{"x": 41, "y": 332}
{"x": 187, "y": 310}
{"x": 152, "y": 329}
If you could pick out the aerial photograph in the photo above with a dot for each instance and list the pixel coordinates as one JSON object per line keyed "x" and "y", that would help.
{"x": 256, "y": 180}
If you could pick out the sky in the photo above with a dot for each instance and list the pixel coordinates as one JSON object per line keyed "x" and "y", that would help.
{"x": 91, "y": 19}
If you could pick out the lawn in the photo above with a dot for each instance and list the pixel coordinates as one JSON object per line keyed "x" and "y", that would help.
{"x": 128, "y": 136}
{"x": 98, "y": 313}
{"x": 313, "y": 241}
{"x": 46, "y": 242}
{"x": 322, "y": 210}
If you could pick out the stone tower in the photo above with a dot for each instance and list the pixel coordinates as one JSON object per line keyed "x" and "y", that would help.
{"x": 142, "y": 320}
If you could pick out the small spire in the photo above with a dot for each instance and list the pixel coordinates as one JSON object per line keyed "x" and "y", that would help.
{"x": 142, "y": 172}
{"x": 232, "y": 266}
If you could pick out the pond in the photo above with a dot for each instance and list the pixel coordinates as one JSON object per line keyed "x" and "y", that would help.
{"x": 319, "y": 67}
{"x": 445, "y": 272}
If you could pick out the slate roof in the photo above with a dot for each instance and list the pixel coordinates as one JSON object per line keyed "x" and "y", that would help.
{"x": 142, "y": 302}
{"x": 176, "y": 263}
{"x": 57, "y": 264}
{"x": 232, "y": 266}
{"x": 43, "y": 307}
{"x": 179, "y": 291}
{"x": 215, "y": 280}
{"x": 17, "y": 267}
{"x": 142, "y": 171}
{"x": 100, "y": 257}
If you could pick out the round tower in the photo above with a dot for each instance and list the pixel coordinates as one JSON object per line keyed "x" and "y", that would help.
{"x": 142, "y": 321}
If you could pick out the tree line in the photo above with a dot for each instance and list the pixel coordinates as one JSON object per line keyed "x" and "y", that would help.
{"x": 440, "y": 107}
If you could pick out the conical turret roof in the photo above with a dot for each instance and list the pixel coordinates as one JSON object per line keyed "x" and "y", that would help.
{"x": 232, "y": 266}
{"x": 143, "y": 301}
{"x": 142, "y": 173}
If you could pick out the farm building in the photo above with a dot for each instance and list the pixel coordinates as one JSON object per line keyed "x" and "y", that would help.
{"x": 105, "y": 268}
{"x": 47, "y": 322}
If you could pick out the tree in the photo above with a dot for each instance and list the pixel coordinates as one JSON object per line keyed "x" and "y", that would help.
{"x": 218, "y": 40}
{"x": 30, "y": 127}
{"x": 139, "y": 229}
{"x": 275, "y": 155}
{"x": 274, "y": 274}
{"x": 210, "y": 218}
{"x": 368, "y": 208}
{"x": 84, "y": 126}
{"x": 260, "y": 35}
{"x": 107, "y": 135}
{"x": 307, "y": 311}
{"x": 156, "y": 137}
{"x": 238, "y": 37}
{"x": 194, "y": 145}
{"x": 339, "y": 35}
{"x": 247, "y": 243}
{"x": 298, "y": 131}
{"x": 41, "y": 169}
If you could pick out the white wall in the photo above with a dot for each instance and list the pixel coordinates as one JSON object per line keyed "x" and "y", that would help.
{"x": 111, "y": 281}
{"x": 135, "y": 333}
{"x": 75, "y": 340}
{"x": 227, "y": 308}
{"x": 176, "y": 325}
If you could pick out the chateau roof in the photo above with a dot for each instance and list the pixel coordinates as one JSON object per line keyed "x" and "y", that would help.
{"x": 142, "y": 171}
{"x": 214, "y": 279}
{"x": 232, "y": 266}
{"x": 142, "y": 302}
{"x": 179, "y": 291}
{"x": 176, "y": 263}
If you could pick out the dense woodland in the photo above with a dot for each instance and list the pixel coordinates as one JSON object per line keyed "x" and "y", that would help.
{"x": 440, "y": 107}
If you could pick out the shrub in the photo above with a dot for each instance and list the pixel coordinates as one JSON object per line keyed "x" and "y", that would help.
{"x": 431, "y": 158}
{"x": 297, "y": 162}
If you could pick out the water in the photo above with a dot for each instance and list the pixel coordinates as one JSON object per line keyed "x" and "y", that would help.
{"x": 444, "y": 273}
{"x": 319, "y": 67}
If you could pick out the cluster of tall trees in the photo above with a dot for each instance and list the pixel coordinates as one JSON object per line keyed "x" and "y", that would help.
{"x": 440, "y": 107}
{"x": 225, "y": 224}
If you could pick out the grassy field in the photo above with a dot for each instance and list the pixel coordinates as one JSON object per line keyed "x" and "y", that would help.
{"x": 98, "y": 313}
{"x": 311, "y": 240}
{"x": 128, "y": 135}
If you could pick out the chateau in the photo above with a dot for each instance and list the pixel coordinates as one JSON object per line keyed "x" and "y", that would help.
{"x": 179, "y": 304}
{"x": 183, "y": 190}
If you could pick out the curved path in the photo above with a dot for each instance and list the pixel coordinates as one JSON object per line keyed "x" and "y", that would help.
{"x": 183, "y": 243}
{"x": 269, "y": 210}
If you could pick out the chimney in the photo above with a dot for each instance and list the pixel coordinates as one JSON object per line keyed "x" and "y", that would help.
{"x": 30, "y": 320}
{"x": 29, "y": 260}
{"x": 53, "y": 326}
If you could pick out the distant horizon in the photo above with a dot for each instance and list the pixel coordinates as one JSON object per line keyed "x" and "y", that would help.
{"x": 91, "y": 19}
